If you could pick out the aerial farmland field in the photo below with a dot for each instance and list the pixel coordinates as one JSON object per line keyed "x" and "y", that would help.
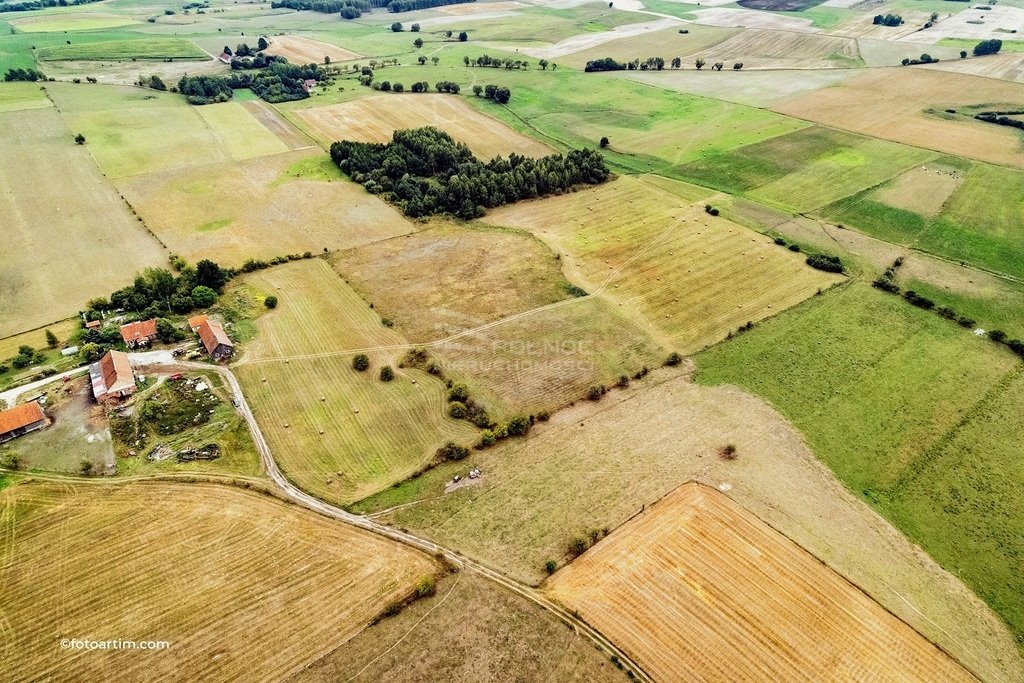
{"x": 680, "y": 588}
{"x": 706, "y": 364}
{"x": 188, "y": 564}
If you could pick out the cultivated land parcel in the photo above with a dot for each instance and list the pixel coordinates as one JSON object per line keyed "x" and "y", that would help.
{"x": 842, "y": 457}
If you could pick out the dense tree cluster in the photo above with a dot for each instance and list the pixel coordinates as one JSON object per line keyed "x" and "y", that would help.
{"x": 1002, "y": 118}
{"x": 826, "y": 262}
{"x": 29, "y": 5}
{"x": 352, "y": 9}
{"x": 24, "y": 75}
{"x": 499, "y": 94}
{"x": 279, "y": 82}
{"x": 157, "y": 291}
{"x": 887, "y": 20}
{"x": 424, "y": 172}
{"x": 988, "y": 47}
{"x": 604, "y": 64}
{"x": 260, "y": 61}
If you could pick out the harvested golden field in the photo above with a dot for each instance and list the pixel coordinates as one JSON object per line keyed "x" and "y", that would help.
{"x": 774, "y": 49}
{"x": 55, "y": 197}
{"x": 891, "y": 103}
{"x": 668, "y": 42}
{"x": 1009, "y": 66}
{"x": 452, "y": 277}
{"x": 923, "y": 189}
{"x": 241, "y": 585}
{"x": 547, "y": 359}
{"x": 472, "y": 630}
{"x": 37, "y": 338}
{"x": 282, "y": 204}
{"x": 686, "y": 277}
{"x": 696, "y": 588}
{"x": 302, "y": 50}
{"x": 375, "y": 118}
{"x": 338, "y": 433}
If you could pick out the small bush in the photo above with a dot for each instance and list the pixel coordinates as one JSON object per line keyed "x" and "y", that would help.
{"x": 595, "y": 392}
{"x": 361, "y": 362}
{"x": 386, "y": 374}
{"x": 997, "y": 336}
{"x": 459, "y": 393}
{"x": 452, "y": 451}
{"x": 518, "y": 426}
{"x": 794, "y": 247}
{"x": 550, "y": 566}
{"x": 577, "y": 546}
{"x": 728, "y": 452}
{"x": 781, "y": 241}
{"x": 673, "y": 359}
{"x": 457, "y": 410}
{"x": 425, "y": 587}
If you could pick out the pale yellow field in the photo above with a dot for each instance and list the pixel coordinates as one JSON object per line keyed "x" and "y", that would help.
{"x": 37, "y": 338}
{"x": 16, "y": 96}
{"x": 67, "y": 236}
{"x": 667, "y": 43}
{"x": 773, "y": 49}
{"x": 1009, "y": 66}
{"x": 696, "y": 588}
{"x": 890, "y": 104}
{"x": 374, "y": 119}
{"x": 686, "y": 277}
{"x": 338, "y": 433}
{"x": 242, "y": 586}
{"x": 264, "y": 207}
{"x": 80, "y": 21}
{"x": 241, "y": 134}
{"x": 922, "y": 189}
{"x": 302, "y": 50}
{"x": 449, "y": 277}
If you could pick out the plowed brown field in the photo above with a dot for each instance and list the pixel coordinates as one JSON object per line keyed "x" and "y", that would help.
{"x": 698, "y": 589}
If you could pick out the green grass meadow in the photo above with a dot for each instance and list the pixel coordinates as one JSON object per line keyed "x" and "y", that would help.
{"x": 916, "y": 415}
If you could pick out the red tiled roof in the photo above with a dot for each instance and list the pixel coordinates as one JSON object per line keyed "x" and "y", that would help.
{"x": 19, "y": 417}
{"x": 141, "y": 330}
{"x": 212, "y": 335}
{"x": 197, "y": 320}
{"x": 93, "y": 324}
{"x": 117, "y": 371}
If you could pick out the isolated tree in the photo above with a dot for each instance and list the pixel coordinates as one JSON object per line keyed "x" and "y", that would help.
{"x": 415, "y": 28}
{"x": 396, "y": 27}
{"x": 397, "y": 87}
{"x": 988, "y": 47}
{"x": 463, "y": 37}
{"x": 963, "y": 54}
{"x": 604, "y": 142}
{"x": 543, "y": 64}
{"x": 677, "y": 62}
{"x": 262, "y": 44}
{"x": 699, "y": 63}
{"x": 422, "y": 60}
{"x": 435, "y": 59}
{"x": 502, "y": 95}
{"x": 673, "y": 359}
{"x": 717, "y": 66}
{"x": 934, "y": 17}
{"x": 79, "y": 139}
{"x": 465, "y": 60}
{"x": 203, "y": 296}
{"x": 211, "y": 275}
{"x": 477, "y": 89}
{"x": 418, "y": 43}
{"x": 361, "y": 362}
{"x": 51, "y": 339}
{"x": 553, "y": 66}
{"x": 327, "y": 59}
{"x": 737, "y": 66}
{"x": 85, "y": 466}
{"x": 227, "y": 51}
{"x": 447, "y": 34}
{"x": 386, "y": 374}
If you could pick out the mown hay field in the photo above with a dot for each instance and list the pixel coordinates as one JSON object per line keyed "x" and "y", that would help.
{"x": 666, "y": 43}
{"x": 891, "y": 103}
{"x": 547, "y": 359}
{"x": 771, "y": 49}
{"x": 449, "y": 278}
{"x": 477, "y": 631}
{"x": 687, "y": 277}
{"x": 67, "y": 235}
{"x": 241, "y": 585}
{"x": 375, "y": 118}
{"x": 260, "y": 208}
{"x": 696, "y": 588}
{"x": 303, "y": 50}
{"x": 70, "y": 21}
{"x": 895, "y": 400}
{"x": 336, "y": 432}
{"x": 17, "y": 96}
{"x": 596, "y": 464}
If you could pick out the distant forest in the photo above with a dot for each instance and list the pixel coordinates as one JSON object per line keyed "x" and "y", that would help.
{"x": 424, "y": 172}
{"x": 352, "y": 9}
{"x": 29, "y": 5}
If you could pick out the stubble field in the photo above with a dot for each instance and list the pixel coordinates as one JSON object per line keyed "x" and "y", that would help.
{"x": 240, "y": 584}
{"x": 696, "y": 588}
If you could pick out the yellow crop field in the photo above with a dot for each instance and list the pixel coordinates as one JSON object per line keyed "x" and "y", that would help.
{"x": 240, "y": 585}
{"x": 374, "y": 119}
{"x": 696, "y": 588}
{"x": 302, "y": 50}
{"x": 338, "y": 433}
{"x": 772, "y": 49}
{"x": 685, "y": 276}
{"x": 269, "y": 206}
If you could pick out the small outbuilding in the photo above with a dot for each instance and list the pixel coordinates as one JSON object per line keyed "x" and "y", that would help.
{"x": 142, "y": 333}
{"x": 112, "y": 377}
{"x": 216, "y": 340}
{"x": 21, "y": 420}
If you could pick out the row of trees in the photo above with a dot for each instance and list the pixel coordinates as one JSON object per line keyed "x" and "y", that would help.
{"x": 1002, "y": 118}
{"x": 353, "y": 9}
{"x": 499, "y": 94}
{"x": 424, "y": 172}
{"x": 651, "y": 63}
{"x": 887, "y": 20}
{"x": 24, "y": 75}
{"x": 499, "y": 63}
{"x": 29, "y": 5}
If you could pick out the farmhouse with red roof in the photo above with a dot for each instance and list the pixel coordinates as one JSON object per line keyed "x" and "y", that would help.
{"x": 21, "y": 420}
{"x": 142, "y": 333}
{"x": 112, "y": 377}
{"x": 216, "y": 340}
